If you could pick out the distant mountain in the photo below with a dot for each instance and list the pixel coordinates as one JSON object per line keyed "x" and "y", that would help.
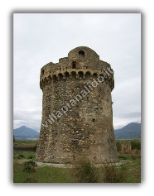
{"x": 24, "y": 133}
{"x": 130, "y": 131}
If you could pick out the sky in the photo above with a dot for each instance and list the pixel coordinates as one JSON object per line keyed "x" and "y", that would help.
{"x": 42, "y": 38}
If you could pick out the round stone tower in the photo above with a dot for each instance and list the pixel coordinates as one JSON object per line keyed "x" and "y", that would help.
{"x": 77, "y": 117}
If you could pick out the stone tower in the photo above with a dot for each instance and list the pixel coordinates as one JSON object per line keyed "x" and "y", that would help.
{"x": 77, "y": 117}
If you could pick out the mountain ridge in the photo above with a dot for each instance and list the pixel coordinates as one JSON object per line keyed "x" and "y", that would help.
{"x": 24, "y": 133}
{"x": 130, "y": 131}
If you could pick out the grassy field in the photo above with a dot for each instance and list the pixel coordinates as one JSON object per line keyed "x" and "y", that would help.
{"x": 128, "y": 172}
{"x": 25, "y": 145}
{"x": 25, "y": 142}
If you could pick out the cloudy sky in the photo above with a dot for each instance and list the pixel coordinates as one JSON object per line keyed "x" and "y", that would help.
{"x": 42, "y": 38}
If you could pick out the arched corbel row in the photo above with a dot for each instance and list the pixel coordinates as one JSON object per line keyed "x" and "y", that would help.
{"x": 71, "y": 74}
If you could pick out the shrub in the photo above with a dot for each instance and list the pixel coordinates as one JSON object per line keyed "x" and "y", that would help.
{"x": 136, "y": 144}
{"x": 21, "y": 156}
{"x": 30, "y": 157}
{"x": 133, "y": 157}
{"x": 85, "y": 172}
{"x": 113, "y": 175}
{"x": 29, "y": 166}
{"x": 123, "y": 157}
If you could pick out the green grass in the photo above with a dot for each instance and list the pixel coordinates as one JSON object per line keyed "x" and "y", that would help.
{"x": 131, "y": 169}
{"x": 27, "y": 155}
{"x": 41, "y": 175}
{"x": 129, "y": 172}
{"x": 25, "y": 142}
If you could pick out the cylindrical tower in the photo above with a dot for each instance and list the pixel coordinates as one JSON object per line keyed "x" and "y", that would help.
{"x": 77, "y": 116}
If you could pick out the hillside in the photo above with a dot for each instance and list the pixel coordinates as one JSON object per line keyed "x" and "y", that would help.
{"x": 130, "y": 131}
{"x": 24, "y": 133}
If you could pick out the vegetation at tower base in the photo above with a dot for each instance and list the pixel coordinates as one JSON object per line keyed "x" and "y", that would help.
{"x": 85, "y": 172}
{"x": 127, "y": 169}
{"x": 87, "y": 127}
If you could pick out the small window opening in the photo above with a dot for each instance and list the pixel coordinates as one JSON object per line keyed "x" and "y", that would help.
{"x": 42, "y": 71}
{"x": 81, "y": 54}
{"x": 73, "y": 65}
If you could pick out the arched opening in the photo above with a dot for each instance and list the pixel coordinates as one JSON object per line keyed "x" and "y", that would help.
{"x": 73, "y": 74}
{"x": 73, "y": 65}
{"x": 87, "y": 74}
{"x": 81, "y": 54}
{"x": 95, "y": 75}
{"x": 46, "y": 81}
{"x": 80, "y": 74}
{"x": 66, "y": 74}
{"x": 54, "y": 78}
{"x": 60, "y": 76}
{"x": 49, "y": 78}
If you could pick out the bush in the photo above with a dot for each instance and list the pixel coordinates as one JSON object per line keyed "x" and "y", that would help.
{"x": 133, "y": 157}
{"x": 113, "y": 175}
{"x": 122, "y": 157}
{"x": 85, "y": 172}
{"x": 30, "y": 157}
{"x": 21, "y": 155}
{"x": 29, "y": 166}
{"x": 136, "y": 144}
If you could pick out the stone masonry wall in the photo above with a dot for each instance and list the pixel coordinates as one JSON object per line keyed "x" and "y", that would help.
{"x": 87, "y": 127}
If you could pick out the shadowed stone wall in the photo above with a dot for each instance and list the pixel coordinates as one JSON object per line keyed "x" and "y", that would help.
{"x": 87, "y": 127}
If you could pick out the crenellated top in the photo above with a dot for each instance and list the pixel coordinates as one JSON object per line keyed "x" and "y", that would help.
{"x": 82, "y": 62}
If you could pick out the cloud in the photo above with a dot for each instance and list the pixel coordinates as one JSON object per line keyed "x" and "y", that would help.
{"x": 43, "y": 38}
{"x": 122, "y": 119}
{"x": 31, "y": 119}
